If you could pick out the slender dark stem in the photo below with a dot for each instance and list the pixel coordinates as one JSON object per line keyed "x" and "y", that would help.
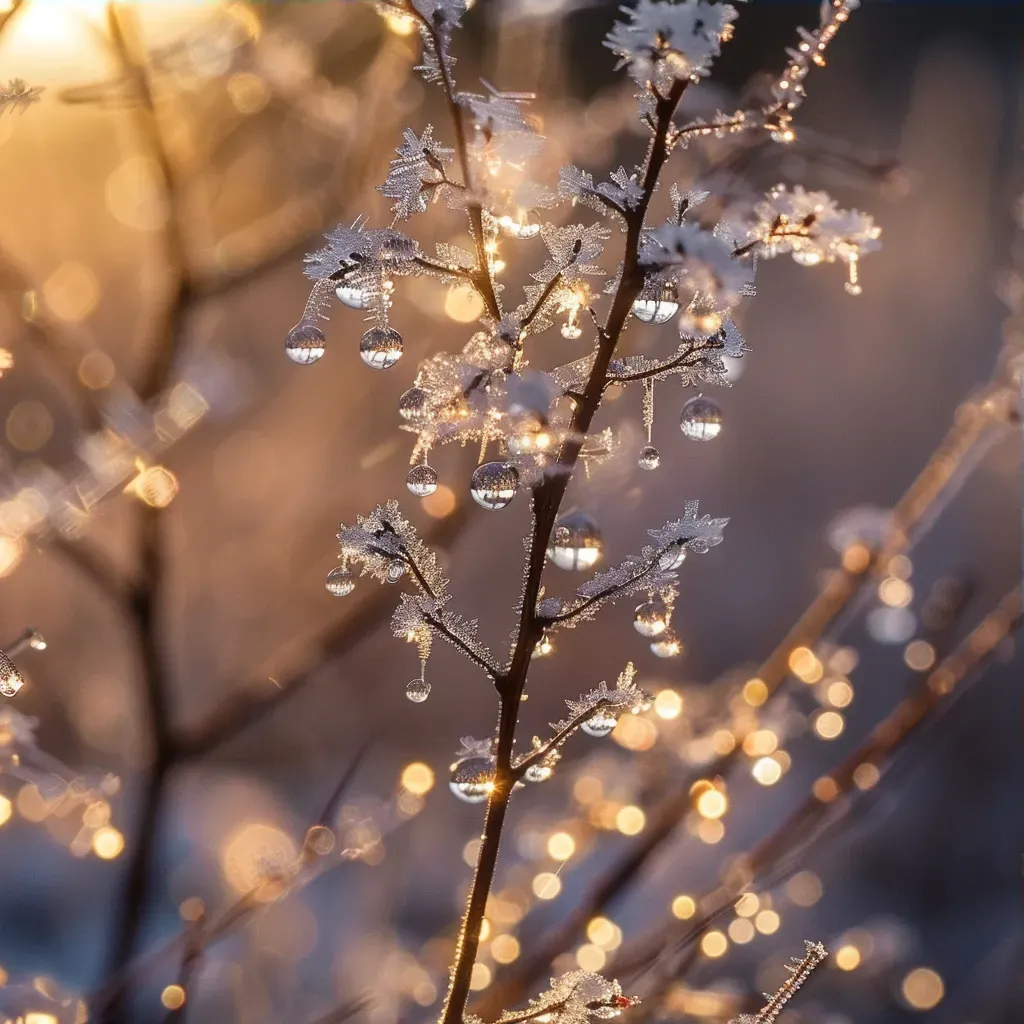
{"x": 547, "y": 499}
{"x": 443, "y": 268}
{"x": 541, "y": 299}
{"x": 441, "y": 627}
{"x": 560, "y": 737}
{"x": 482, "y": 277}
{"x": 676, "y": 362}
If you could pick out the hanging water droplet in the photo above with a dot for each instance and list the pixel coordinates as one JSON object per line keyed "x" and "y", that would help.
{"x": 305, "y": 344}
{"x": 701, "y": 419}
{"x": 37, "y": 641}
{"x": 571, "y": 330}
{"x": 10, "y": 678}
{"x": 575, "y": 542}
{"x": 418, "y": 691}
{"x": 519, "y": 226}
{"x": 539, "y": 772}
{"x": 672, "y": 557}
{"x": 381, "y": 347}
{"x": 421, "y": 481}
{"x": 667, "y": 645}
{"x": 657, "y": 305}
{"x": 600, "y": 723}
{"x": 494, "y": 484}
{"x": 472, "y": 779}
{"x": 543, "y": 647}
{"x": 413, "y": 404}
{"x": 651, "y": 618}
{"x": 395, "y": 570}
{"x": 852, "y": 288}
{"x": 351, "y": 296}
{"x": 806, "y": 257}
{"x": 340, "y": 581}
{"x": 650, "y": 457}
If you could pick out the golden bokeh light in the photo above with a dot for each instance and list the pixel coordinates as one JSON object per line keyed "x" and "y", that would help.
{"x": 895, "y": 593}
{"x": 741, "y": 931}
{"x": 919, "y": 655}
{"x": 747, "y": 905}
{"x": 767, "y": 922}
{"x": 755, "y": 692}
{"x": 107, "y": 843}
{"x": 12, "y": 549}
{"x": 463, "y": 304}
{"x": 173, "y": 997}
{"x": 480, "y": 978}
{"x": 760, "y": 742}
{"x": 829, "y": 724}
{"x": 96, "y": 370}
{"x": 6, "y": 809}
{"x": 71, "y": 292}
{"x": 866, "y": 776}
{"x": 847, "y": 958}
{"x": 440, "y": 504}
{"x": 710, "y": 831}
{"x": 804, "y": 889}
{"x": 417, "y": 778}
{"x": 804, "y": 664}
{"x": 684, "y": 907}
{"x": 546, "y": 885}
{"x": 711, "y": 803}
{"x": 29, "y": 426}
{"x": 668, "y": 704}
{"x": 766, "y": 770}
{"x": 923, "y": 988}
{"x": 839, "y": 693}
{"x": 155, "y": 486}
{"x": 505, "y": 949}
{"x": 630, "y": 820}
{"x": 254, "y": 853}
{"x": 604, "y": 933}
{"x": 714, "y": 944}
{"x": 591, "y": 957}
{"x": 561, "y": 846}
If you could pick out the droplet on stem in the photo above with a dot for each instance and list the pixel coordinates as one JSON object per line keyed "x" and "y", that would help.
{"x": 600, "y": 723}
{"x": 656, "y": 305}
{"x": 701, "y": 419}
{"x": 575, "y": 542}
{"x": 422, "y": 480}
{"x": 381, "y": 347}
{"x": 494, "y": 484}
{"x": 651, "y": 618}
{"x": 472, "y": 779}
{"x": 305, "y": 344}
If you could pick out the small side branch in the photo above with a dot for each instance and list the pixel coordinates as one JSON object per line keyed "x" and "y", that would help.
{"x": 438, "y": 625}
{"x": 537, "y": 756}
{"x": 549, "y": 289}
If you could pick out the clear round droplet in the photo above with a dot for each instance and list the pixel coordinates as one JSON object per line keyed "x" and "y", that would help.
{"x": 421, "y": 481}
{"x": 340, "y": 581}
{"x": 354, "y": 298}
{"x": 472, "y": 779}
{"x": 305, "y": 344}
{"x": 571, "y": 331}
{"x": 395, "y": 571}
{"x": 667, "y": 645}
{"x": 413, "y": 404}
{"x": 651, "y": 618}
{"x": 701, "y": 419}
{"x": 538, "y": 773}
{"x": 418, "y": 691}
{"x": 519, "y": 227}
{"x": 600, "y": 724}
{"x": 381, "y": 347}
{"x": 656, "y": 306}
{"x": 650, "y": 457}
{"x": 575, "y": 542}
{"x": 37, "y": 641}
{"x": 494, "y": 484}
{"x": 672, "y": 557}
{"x": 10, "y": 678}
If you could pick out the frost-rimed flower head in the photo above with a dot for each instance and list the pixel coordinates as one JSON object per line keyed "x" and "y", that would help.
{"x": 666, "y": 41}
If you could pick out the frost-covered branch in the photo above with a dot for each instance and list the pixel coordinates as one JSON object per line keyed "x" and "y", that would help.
{"x": 17, "y": 96}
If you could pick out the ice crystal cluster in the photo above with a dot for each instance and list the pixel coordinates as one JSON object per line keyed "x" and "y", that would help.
{"x": 593, "y": 258}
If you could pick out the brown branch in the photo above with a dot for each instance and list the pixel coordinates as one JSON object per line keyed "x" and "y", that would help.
{"x": 538, "y": 755}
{"x": 930, "y": 699}
{"x": 541, "y": 299}
{"x": 974, "y": 429}
{"x": 547, "y": 499}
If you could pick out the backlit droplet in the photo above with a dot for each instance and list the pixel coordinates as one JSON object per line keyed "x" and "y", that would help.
{"x": 600, "y": 724}
{"x": 538, "y": 772}
{"x": 650, "y": 457}
{"x": 651, "y": 618}
{"x": 520, "y": 226}
{"x": 381, "y": 347}
{"x": 354, "y": 298}
{"x": 340, "y": 581}
{"x": 472, "y": 779}
{"x": 575, "y": 542}
{"x": 656, "y": 306}
{"x": 395, "y": 571}
{"x": 305, "y": 344}
{"x": 672, "y": 557}
{"x": 10, "y": 678}
{"x": 667, "y": 645}
{"x": 418, "y": 691}
{"x": 413, "y": 404}
{"x": 421, "y": 481}
{"x": 494, "y": 484}
{"x": 571, "y": 330}
{"x": 37, "y": 641}
{"x": 701, "y": 419}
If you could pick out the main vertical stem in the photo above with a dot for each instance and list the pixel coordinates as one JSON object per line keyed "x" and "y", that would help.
{"x": 547, "y": 500}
